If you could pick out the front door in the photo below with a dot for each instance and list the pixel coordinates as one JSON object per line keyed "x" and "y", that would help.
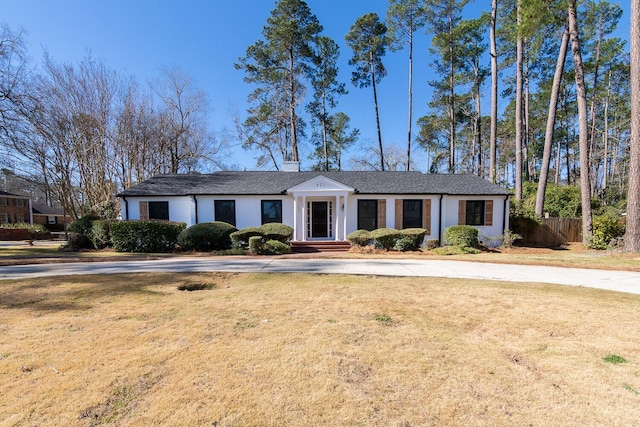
{"x": 319, "y": 219}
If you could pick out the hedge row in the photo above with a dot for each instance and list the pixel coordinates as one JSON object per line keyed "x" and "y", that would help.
{"x": 409, "y": 239}
{"x": 207, "y": 236}
{"x": 461, "y": 235}
{"x": 145, "y": 236}
{"x": 271, "y": 231}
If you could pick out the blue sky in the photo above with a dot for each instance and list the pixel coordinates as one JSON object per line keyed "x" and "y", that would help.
{"x": 205, "y": 39}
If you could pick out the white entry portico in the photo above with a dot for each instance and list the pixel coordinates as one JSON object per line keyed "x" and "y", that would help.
{"x": 320, "y": 209}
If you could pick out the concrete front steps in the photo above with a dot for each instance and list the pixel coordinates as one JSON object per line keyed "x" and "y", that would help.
{"x": 319, "y": 246}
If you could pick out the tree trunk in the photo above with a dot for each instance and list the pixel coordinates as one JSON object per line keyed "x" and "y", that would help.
{"x": 605, "y": 136}
{"x": 478, "y": 123}
{"x": 452, "y": 111}
{"x": 494, "y": 92}
{"x": 585, "y": 181}
{"x": 518, "y": 112}
{"x": 375, "y": 103}
{"x": 632, "y": 236}
{"x": 526, "y": 148}
{"x": 551, "y": 122}
{"x": 410, "y": 90}
{"x": 324, "y": 131}
{"x": 292, "y": 111}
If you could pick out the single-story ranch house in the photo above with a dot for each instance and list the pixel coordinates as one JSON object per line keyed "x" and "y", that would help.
{"x": 323, "y": 206}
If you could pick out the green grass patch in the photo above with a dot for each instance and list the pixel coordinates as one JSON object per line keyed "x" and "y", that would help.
{"x": 195, "y": 286}
{"x": 615, "y": 359}
{"x": 384, "y": 319}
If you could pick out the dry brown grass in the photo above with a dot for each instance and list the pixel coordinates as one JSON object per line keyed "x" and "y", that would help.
{"x": 300, "y": 350}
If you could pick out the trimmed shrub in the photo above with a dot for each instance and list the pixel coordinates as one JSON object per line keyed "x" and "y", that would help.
{"x": 386, "y": 237}
{"x": 145, "y": 236}
{"x": 606, "y": 229}
{"x": 99, "y": 235}
{"x": 255, "y": 244}
{"x": 207, "y": 236}
{"x": 415, "y": 237}
{"x": 461, "y": 235}
{"x": 275, "y": 247}
{"x": 404, "y": 244}
{"x": 276, "y": 231}
{"x": 259, "y": 246}
{"x": 240, "y": 238}
{"x": 359, "y": 238}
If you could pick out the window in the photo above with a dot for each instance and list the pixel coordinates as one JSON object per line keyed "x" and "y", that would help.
{"x": 20, "y": 203}
{"x": 412, "y": 214}
{"x": 475, "y": 212}
{"x": 271, "y": 211}
{"x": 225, "y": 211}
{"x": 3, "y": 201}
{"x": 4, "y": 218}
{"x": 367, "y": 214}
{"x": 159, "y": 210}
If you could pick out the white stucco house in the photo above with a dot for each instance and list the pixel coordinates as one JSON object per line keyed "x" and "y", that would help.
{"x": 323, "y": 206}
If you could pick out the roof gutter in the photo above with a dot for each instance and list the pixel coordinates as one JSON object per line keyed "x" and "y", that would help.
{"x": 126, "y": 208}
{"x": 195, "y": 199}
{"x": 505, "y": 213}
{"x": 440, "y": 220}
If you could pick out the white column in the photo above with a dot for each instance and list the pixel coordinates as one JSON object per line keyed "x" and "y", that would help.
{"x": 344, "y": 219}
{"x": 304, "y": 219}
{"x": 295, "y": 218}
{"x": 337, "y": 214}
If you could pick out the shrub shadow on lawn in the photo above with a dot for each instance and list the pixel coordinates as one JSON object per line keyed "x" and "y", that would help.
{"x": 72, "y": 292}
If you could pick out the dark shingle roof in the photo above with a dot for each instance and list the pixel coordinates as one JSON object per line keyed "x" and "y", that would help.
{"x": 4, "y": 193}
{"x": 270, "y": 183}
{"x": 46, "y": 210}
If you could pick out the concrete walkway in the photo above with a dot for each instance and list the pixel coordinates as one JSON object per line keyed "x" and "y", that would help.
{"x": 620, "y": 281}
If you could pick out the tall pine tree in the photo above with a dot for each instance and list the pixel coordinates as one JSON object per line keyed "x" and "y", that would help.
{"x": 281, "y": 60}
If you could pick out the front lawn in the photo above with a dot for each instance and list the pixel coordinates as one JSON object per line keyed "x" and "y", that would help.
{"x": 300, "y": 350}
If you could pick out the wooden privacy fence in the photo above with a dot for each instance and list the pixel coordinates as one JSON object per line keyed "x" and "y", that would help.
{"x": 551, "y": 233}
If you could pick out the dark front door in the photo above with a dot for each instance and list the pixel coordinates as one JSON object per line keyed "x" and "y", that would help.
{"x": 319, "y": 219}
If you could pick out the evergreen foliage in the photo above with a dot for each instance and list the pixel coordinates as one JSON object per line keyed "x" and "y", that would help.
{"x": 145, "y": 236}
{"x": 276, "y": 231}
{"x": 386, "y": 237}
{"x": 207, "y": 236}
{"x": 359, "y": 237}
{"x": 461, "y": 235}
{"x": 240, "y": 238}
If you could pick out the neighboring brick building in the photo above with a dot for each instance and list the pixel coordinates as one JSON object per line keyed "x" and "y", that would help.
{"x": 50, "y": 217}
{"x": 14, "y": 208}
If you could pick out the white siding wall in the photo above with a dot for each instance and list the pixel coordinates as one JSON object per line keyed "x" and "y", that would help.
{"x": 450, "y": 214}
{"x": 248, "y": 209}
{"x": 352, "y": 221}
{"x": 180, "y": 208}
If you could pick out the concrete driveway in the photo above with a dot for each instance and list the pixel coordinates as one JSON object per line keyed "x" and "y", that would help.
{"x": 620, "y": 281}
